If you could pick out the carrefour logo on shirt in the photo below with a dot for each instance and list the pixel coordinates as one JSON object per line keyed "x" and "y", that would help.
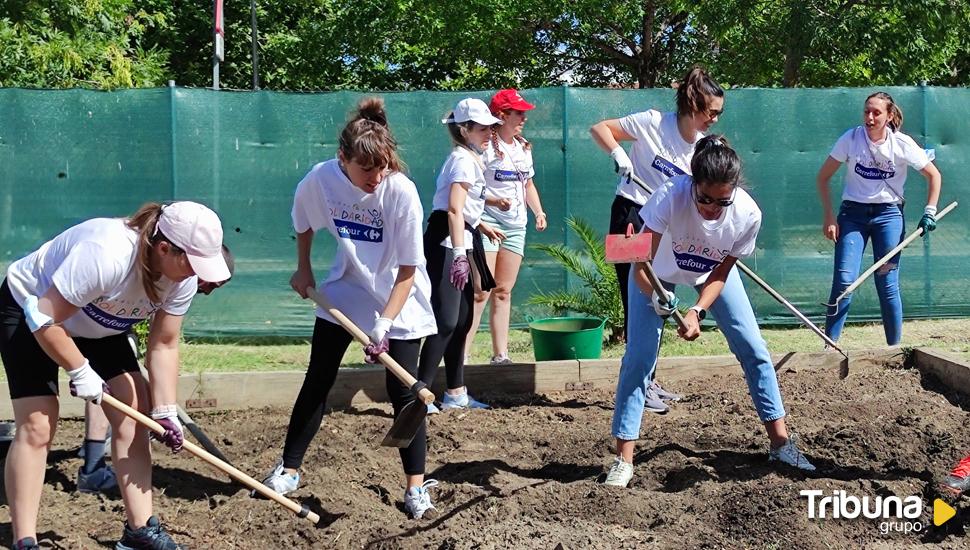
{"x": 107, "y": 320}
{"x": 697, "y": 256}
{"x": 666, "y": 167}
{"x": 873, "y": 173}
{"x": 359, "y": 232}
{"x": 506, "y": 175}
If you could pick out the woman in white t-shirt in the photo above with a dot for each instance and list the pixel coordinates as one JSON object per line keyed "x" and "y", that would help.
{"x": 70, "y": 303}
{"x": 663, "y": 144}
{"x": 878, "y": 154}
{"x": 509, "y": 189}
{"x": 455, "y": 230}
{"x": 700, "y": 225}
{"x": 378, "y": 280}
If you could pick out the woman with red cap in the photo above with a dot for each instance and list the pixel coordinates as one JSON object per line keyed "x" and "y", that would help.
{"x": 70, "y": 303}
{"x": 508, "y": 190}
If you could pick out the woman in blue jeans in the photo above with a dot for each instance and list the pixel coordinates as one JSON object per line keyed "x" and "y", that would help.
{"x": 872, "y": 207}
{"x": 701, "y": 224}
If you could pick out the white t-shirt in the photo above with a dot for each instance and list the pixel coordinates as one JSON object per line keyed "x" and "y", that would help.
{"x": 691, "y": 247}
{"x": 94, "y": 265}
{"x": 464, "y": 167}
{"x": 659, "y": 152}
{"x": 376, "y": 233}
{"x": 877, "y": 174}
{"x": 506, "y": 178}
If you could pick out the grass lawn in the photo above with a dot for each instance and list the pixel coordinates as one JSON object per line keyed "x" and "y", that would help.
{"x": 951, "y": 335}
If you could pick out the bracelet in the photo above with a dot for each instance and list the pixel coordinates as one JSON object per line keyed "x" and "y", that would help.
{"x": 543, "y": 214}
{"x": 164, "y": 410}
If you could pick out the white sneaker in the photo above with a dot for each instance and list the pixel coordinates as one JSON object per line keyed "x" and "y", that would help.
{"x": 789, "y": 454}
{"x": 280, "y": 481}
{"x": 417, "y": 501}
{"x": 500, "y": 360}
{"x": 620, "y": 474}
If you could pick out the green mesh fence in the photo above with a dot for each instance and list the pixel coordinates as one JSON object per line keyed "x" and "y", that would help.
{"x": 70, "y": 155}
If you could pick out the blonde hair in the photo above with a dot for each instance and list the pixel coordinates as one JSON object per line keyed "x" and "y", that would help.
{"x": 367, "y": 139}
{"x": 144, "y": 222}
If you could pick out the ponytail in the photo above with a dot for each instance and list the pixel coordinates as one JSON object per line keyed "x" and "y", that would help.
{"x": 896, "y": 123}
{"x": 144, "y": 222}
{"x": 367, "y": 139}
{"x": 694, "y": 91}
{"x": 715, "y": 162}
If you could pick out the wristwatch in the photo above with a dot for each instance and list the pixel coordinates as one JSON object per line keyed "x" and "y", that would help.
{"x": 701, "y": 312}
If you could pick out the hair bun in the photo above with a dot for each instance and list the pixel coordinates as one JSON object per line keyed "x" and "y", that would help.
{"x": 372, "y": 109}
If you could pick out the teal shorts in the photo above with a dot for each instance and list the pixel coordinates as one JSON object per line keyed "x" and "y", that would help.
{"x": 514, "y": 237}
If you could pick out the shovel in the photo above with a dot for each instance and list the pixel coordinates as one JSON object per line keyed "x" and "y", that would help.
{"x": 411, "y": 418}
{"x": 844, "y": 365}
{"x": 300, "y": 510}
{"x": 912, "y": 236}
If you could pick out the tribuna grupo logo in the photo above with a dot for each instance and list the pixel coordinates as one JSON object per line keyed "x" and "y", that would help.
{"x": 897, "y": 514}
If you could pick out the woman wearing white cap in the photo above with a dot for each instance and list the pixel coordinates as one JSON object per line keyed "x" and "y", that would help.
{"x": 455, "y": 230}
{"x": 70, "y": 303}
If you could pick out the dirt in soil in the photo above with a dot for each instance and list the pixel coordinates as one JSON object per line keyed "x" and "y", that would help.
{"x": 527, "y": 474}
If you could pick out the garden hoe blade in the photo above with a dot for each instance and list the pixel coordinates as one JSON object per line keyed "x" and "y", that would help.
{"x": 407, "y": 425}
{"x": 628, "y": 248}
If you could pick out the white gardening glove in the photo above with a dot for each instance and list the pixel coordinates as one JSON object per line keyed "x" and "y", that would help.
{"x": 664, "y": 310}
{"x": 381, "y": 326}
{"x": 624, "y": 166}
{"x": 85, "y": 383}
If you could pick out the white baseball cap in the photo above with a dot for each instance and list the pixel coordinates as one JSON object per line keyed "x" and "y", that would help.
{"x": 196, "y": 230}
{"x": 474, "y": 110}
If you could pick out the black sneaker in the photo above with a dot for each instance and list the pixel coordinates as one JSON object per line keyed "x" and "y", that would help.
{"x": 150, "y": 537}
{"x": 26, "y": 543}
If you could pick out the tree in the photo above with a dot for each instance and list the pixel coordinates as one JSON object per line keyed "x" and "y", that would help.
{"x": 66, "y": 43}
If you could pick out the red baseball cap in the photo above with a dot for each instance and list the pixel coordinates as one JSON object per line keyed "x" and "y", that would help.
{"x": 509, "y": 99}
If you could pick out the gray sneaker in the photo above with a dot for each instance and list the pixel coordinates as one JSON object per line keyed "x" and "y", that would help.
{"x": 500, "y": 360}
{"x": 653, "y": 403}
{"x": 620, "y": 473}
{"x": 789, "y": 454}
{"x": 663, "y": 394}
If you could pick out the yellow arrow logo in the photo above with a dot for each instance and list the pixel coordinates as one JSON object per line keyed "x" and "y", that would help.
{"x": 942, "y": 512}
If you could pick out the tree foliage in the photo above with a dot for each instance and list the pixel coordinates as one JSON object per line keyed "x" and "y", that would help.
{"x": 443, "y": 44}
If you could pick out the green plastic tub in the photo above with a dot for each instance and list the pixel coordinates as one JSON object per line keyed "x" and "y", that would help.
{"x": 567, "y": 338}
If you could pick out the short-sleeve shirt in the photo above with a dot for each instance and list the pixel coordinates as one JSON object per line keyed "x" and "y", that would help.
{"x": 94, "y": 266}
{"x": 658, "y": 153}
{"x": 506, "y": 177}
{"x": 464, "y": 167}
{"x": 376, "y": 233}
{"x": 876, "y": 174}
{"x": 691, "y": 247}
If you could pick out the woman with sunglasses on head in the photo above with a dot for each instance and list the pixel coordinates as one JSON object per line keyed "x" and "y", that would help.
{"x": 663, "y": 144}
{"x": 872, "y": 207}
{"x": 69, "y": 304}
{"x": 378, "y": 280}
{"x": 454, "y": 232}
{"x": 509, "y": 190}
{"x": 701, "y": 224}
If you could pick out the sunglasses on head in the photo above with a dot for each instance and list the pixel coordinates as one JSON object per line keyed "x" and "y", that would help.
{"x": 701, "y": 198}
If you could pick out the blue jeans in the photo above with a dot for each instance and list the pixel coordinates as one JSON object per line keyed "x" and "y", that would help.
{"x": 734, "y": 317}
{"x": 884, "y": 224}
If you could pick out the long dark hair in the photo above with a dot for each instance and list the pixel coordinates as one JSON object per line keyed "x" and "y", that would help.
{"x": 716, "y": 162}
{"x": 693, "y": 91}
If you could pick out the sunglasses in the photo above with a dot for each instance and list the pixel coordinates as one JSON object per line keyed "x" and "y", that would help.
{"x": 701, "y": 198}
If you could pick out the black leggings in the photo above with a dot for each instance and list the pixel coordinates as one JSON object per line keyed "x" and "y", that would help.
{"x": 453, "y": 314}
{"x": 330, "y": 342}
{"x": 622, "y": 213}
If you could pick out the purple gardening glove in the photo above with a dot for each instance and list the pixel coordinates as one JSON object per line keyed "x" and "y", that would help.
{"x": 173, "y": 437}
{"x": 372, "y": 350}
{"x": 460, "y": 271}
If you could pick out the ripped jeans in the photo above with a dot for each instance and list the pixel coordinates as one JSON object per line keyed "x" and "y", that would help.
{"x": 858, "y": 222}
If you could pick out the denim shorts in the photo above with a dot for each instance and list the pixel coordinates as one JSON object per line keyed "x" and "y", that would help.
{"x": 514, "y": 237}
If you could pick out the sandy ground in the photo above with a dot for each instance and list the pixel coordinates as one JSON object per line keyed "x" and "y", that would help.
{"x": 526, "y": 474}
